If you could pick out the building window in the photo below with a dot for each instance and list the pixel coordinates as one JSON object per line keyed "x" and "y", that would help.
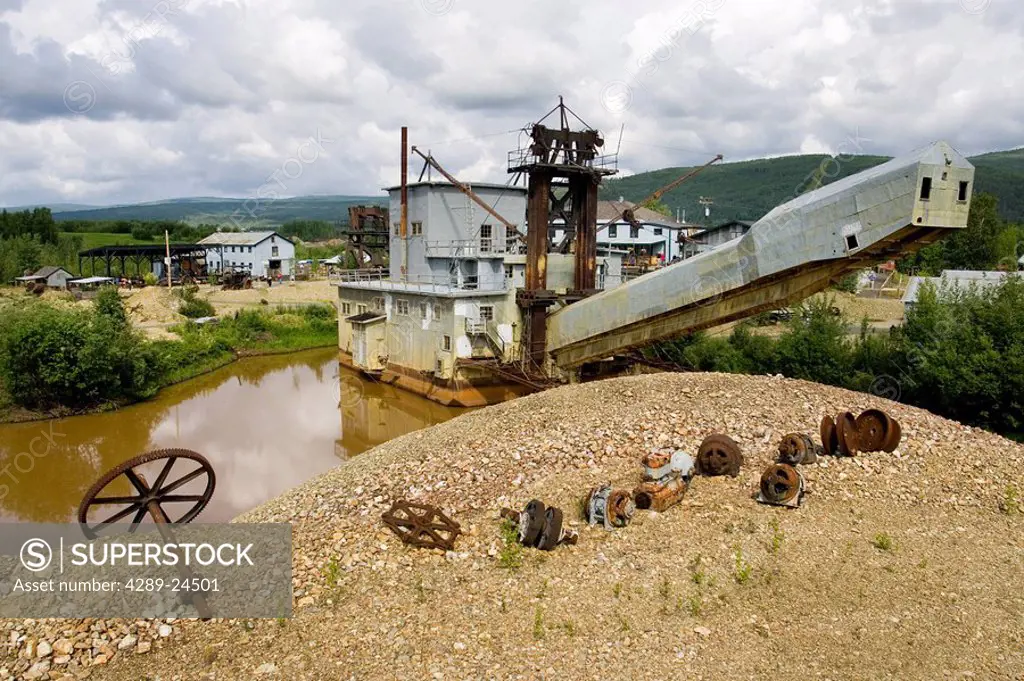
{"x": 486, "y": 313}
{"x": 273, "y": 251}
{"x": 423, "y": 310}
{"x": 486, "y": 232}
{"x": 440, "y": 367}
{"x": 398, "y": 229}
{"x": 551, "y": 235}
{"x": 962, "y": 196}
{"x": 403, "y": 307}
{"x": 508, "y": 271}
{"x": 446, "y": 343}
{"x": 360, "y": 309}
{"x": 417, "y": 229}
{"x": 250, "y": 249}
{"x": 634, "y": 232}
{"x": 926, "y": 189}
{"x": 658, "y": 231}
{"x": 346, "y": 308}
{"x": 613, "y": 231}
{"x": 273, "y": 239}
{"x": 378, "y": 303}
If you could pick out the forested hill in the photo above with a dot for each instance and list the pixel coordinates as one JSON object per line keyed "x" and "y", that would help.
{"x": 749, "y": 189}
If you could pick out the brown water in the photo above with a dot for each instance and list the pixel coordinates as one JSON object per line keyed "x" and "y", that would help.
{"x": 266, "y": 424}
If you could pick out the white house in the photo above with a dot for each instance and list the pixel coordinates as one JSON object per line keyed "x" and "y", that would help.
{"x": 656, "y": 234}
{"x": 950, "y": 280}
{"x": 711, "y": 238}
{"x": 259, "y": 253}
{"x": 53, "y": 277}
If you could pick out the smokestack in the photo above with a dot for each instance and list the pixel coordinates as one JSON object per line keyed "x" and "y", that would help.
{"x": 405, "y": 201}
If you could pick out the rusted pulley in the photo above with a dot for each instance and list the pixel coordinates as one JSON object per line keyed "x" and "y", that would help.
{"x": 541, "y": 526}
{"x": 878, "y": 432}
{"x": 667, "y": 476}
{"x": 719, "y": 455}
{"x": 609, "y": 507}
{"x": 846, "y": 431}
{"x": 781, "y": 485}
{"x": 421, "y": 525}
{"x": 797, "y": 448}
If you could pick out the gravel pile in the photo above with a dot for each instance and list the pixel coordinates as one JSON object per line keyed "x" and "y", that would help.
{"x": 906, "y": 565}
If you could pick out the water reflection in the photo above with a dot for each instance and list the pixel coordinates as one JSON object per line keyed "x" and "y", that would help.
{"x": 266, "y": 424}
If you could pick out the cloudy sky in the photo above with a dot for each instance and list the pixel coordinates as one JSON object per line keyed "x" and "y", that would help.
{"x": 111, "y": 101}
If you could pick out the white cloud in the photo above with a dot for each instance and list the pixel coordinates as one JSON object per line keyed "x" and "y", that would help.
{"x": 221, "y": 96}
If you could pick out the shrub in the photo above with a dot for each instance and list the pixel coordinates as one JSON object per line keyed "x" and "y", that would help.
{"x": 150, "y": 279}
{"x": 192, "y": 306}
{"x": 108, "y": 303}
{"x": 76, "y": 358}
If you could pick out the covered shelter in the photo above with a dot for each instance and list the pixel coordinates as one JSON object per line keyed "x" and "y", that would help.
{"x": 51, "y": 276}
{"x": 184, "y": 258}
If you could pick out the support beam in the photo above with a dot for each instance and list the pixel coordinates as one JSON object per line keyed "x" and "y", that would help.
{"x": 537, "y": 233}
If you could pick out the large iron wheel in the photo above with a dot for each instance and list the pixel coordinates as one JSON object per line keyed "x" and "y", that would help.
{"x": 150, "y": 499}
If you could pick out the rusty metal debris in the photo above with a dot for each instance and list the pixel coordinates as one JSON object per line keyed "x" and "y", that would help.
{"x": 797, "y": 448}
{"x": 872, "y": 431}
{"x": 666, "y": 479}
{"x": 421, "y": 525}
{"x": 781, "y": 485}
{"x": 719, "y": 455}
{"x": 878, "y": 431}
{"x": 609, "y": 507}
{"x": 541, "y": 527}
{"x": 150, "y": 500}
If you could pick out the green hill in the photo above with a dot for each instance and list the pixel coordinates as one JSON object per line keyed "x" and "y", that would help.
{"x": 199, "y": 210}
{"x": 748, "y": 189}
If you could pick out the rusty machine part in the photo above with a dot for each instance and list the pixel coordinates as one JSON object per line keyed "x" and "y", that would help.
{"x": 666, "y": 479}
{"x": 421, "y": 525}
{"x": 829, "y": 438}
{"x": 541, "y": 527}
{"x": 151, "y": 500}
{"x": 878, "y": 431}
{"x": 846, "y": 432}
{"x": 609, "y": 507}
{"x": 719, "y": 455}
{"x": 781, "y": 485}
{"x": 797, "y": 448}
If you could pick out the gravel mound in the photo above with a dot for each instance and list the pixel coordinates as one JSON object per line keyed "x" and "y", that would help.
{"x": 898, "y": 566}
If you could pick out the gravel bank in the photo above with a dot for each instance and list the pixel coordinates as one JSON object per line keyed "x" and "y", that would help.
{"x": 901, "y": 566}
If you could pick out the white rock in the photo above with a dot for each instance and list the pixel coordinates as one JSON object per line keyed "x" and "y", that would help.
{"x": 44, "y": 649}
{"x": 266, "y": 669}
{"x": 703, "y": 631}
{"x": 164, "y": 631}
{"x": 127, "y": 642}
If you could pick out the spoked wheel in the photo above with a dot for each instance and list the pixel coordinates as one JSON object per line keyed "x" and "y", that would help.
{"x": 182, "y": 486}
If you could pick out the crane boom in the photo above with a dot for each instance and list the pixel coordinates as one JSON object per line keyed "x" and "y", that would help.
{"x": 465, "y": 189}
{"x": 658, "y": 193}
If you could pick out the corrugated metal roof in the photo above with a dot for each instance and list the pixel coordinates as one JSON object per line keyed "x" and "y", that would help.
{"x": 611, "y": 211}
{"x": 46, "y": 271}
{"x": 239, "y": 238}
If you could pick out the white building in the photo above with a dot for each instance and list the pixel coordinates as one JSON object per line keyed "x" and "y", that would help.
{"x": 54, "y": 277}
{"x": 657, "y": 234}
{"x": 711, "y": 238}
{"x": 259, "y": 253}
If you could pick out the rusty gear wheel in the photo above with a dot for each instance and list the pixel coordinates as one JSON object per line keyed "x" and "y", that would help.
{"x": 529, "y": 534}
{"x": 421, "y": 525}
{"x": 145, "y": 496}
{"x": 797, "y": 448}
{"x": 846, "y": 432}
{"x": 873, "y": 427}
{"x": 829, "y": 438}
{"x": 719, "y": 455}
{"x": 781, "y": 485}
{"x": 552, "y": 532}
{"x": 893, "y": 437}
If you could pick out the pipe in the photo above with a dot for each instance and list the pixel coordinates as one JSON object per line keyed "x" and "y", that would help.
{"x": 403, "y": 225}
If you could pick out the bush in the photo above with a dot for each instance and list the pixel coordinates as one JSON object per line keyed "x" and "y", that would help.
{"x": 75, "y": 358}
{"x": 192, "y": 306}
{"x": 150, "y": 279}
{"x": 108, "y": 303}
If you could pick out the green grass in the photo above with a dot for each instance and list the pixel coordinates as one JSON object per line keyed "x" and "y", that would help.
{"x": 883, "y": 542}
{"x": 511, "y": 555}
{"x": 97, "y": 239}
